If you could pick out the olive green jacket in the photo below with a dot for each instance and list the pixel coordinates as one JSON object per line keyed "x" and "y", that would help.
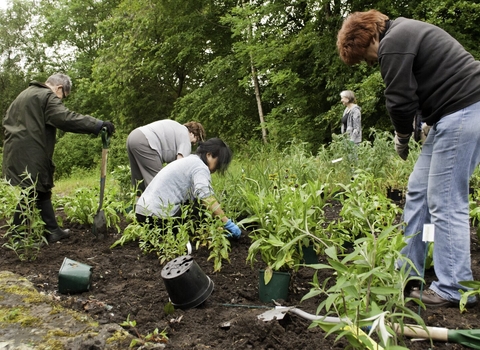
{"x": 30, "y": 127}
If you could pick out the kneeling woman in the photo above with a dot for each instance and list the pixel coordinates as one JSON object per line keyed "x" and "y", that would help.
{"x": 187, "y": 181}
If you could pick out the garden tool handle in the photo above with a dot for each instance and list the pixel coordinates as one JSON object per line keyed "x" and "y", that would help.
{"x": 103, "y": 169}
{"x": 105, "y": 138}
{"x": 105, "y": 144}
{"x": 415, "y": 331}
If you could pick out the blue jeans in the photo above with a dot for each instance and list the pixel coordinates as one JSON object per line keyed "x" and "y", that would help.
{"x": 438, "y": 194}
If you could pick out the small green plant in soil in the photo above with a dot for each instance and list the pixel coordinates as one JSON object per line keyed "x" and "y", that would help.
{"x": 156, "y": 337}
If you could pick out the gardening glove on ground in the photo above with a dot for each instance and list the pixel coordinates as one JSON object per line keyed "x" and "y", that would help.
{"x": 401, "y": 145}
{"x": 233, "y": 229}
{"x": 110, "y": 128}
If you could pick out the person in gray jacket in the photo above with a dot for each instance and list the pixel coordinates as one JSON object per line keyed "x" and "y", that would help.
{"x": 30, "y": 127}
{"x": 427, "y": 70}
{"x": 352, "y": 117}
{"x": 163, "y": 141}
{"x": 187, "y": 181}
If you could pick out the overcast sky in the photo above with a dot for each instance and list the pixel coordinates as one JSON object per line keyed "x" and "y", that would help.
{"x": 3, "y": 4}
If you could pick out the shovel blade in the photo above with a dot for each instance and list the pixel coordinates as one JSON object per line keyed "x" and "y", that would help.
{"x": 99, "y": 224}
{"x": 275, "y": 314}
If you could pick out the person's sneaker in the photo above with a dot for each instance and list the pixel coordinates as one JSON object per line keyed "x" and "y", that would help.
{"x": 57, "y": 234}
{"x": 432, "y": 299}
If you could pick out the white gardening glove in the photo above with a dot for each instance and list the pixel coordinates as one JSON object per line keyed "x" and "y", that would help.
{"x": 401, "y": 144}
{"x": 425, "y": 128}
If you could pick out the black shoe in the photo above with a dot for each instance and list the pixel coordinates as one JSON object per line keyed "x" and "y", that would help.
{"x": 432, "y": 299}
{"x": 57, "y": 235}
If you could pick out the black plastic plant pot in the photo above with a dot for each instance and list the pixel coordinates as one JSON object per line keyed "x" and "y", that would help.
{"x": 186, "y": 283}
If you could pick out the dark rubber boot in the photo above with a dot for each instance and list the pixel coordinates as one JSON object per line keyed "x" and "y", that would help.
{"x": 18, "y": 221}
{"x": 54, "y": 233}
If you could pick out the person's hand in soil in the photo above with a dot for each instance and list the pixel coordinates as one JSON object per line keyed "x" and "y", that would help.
{"x": 233, "y": 229}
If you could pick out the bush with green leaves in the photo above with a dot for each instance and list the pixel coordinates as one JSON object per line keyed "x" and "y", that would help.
{"x": 82, "y": 206}
{"x": 365, "y": 207}
{"x": 26, "y": 238}
{"x": 366, "y": 288}
{"x": 8, "y": 199}
{"x": 76, "y": 151}
{"x": 279, "y": 215}
{"x": 168, "y": 238}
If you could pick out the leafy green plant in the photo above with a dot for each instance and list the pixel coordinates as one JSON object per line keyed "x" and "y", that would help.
{"x": 280, "y": 213}
{"x": 366, "y": 286}
{"x": 365, "y": 208}
{"x": 150, "y": 339}
{"x": 168, "y": 238}
{"x": 26, "y": 238}
{"x": 8, "y": 199}
{"x": 82, "y": 206}
{"x": 127, "y": 192}
{"x": 76, "y": 151}
{"x": 212, "y": 235}
{"x": 474, "y": 211}
{"x": 475, "y": 291}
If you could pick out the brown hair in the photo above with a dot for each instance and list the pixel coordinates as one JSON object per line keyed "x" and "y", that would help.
{"x": 357, "y": 33}
{"x": 196, "y": 129}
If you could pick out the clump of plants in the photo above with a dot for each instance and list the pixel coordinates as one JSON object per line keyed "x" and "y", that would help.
{"x": 279, "y": 215}
{"x": 366, "y": 288}
{"x": 81, "y": 207}
{"x": 26, "y": 237}
{"x": 155, "y": 337}
{"x": 168, "y": 238}
{"x": 365, "y": 208}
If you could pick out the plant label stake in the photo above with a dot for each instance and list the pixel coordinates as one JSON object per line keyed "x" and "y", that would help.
{"x": 100, "y": 221}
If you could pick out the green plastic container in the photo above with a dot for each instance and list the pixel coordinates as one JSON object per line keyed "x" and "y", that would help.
{"x": 309, "y": 255}
{"x": 277, "y": 288}
{"x": 74, "y": 277}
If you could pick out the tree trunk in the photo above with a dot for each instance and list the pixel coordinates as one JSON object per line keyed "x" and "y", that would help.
{"x": 259, "y": 101}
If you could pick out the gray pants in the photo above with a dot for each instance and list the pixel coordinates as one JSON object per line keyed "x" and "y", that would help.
{"x": 145, "y": 162}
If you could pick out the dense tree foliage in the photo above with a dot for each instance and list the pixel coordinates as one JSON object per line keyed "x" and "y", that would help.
{"x": 136, "y": 61}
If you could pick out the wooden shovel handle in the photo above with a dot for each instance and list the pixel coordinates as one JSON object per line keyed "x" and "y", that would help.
{"x": 103, "y": 170}
{"x": 415, "y": 331}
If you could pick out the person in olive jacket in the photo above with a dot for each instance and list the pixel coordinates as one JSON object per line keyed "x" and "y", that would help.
{"x": 30, "y": 127}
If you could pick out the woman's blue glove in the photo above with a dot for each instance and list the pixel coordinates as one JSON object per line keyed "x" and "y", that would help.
{"x": 233, "y": 229}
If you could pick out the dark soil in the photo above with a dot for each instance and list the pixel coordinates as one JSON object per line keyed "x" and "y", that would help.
{"x": 127, "y": 283}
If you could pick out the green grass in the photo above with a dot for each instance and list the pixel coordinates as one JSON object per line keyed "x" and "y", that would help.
{"x": 66, "y": 186}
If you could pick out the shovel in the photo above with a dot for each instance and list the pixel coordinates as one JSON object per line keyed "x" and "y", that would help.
{"x": 100, "y": 221}
{"x": 468, "y": 337}
{"x": 279, "y": 312}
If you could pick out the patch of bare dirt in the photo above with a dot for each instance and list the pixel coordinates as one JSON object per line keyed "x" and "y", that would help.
{"x": 127, "y": 283}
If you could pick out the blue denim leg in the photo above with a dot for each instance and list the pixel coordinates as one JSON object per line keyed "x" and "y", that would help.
{"x": 438, "y": 194}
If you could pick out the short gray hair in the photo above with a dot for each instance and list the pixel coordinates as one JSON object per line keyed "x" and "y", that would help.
{"x": 348, "y": 94}
{"x": 61, "y": 79}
